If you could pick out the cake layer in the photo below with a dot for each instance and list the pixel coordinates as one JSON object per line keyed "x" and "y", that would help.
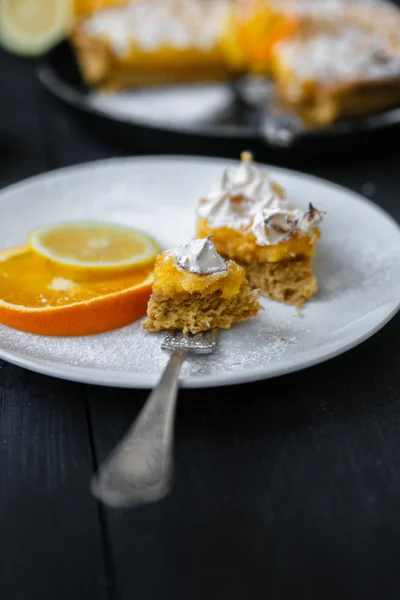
{"x": 289, "y": 281}
{"x": 198, "y": 312}
{"x": 326, "y": 105}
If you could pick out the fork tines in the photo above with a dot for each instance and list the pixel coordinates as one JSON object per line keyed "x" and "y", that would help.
{"x": 199, "y": 343}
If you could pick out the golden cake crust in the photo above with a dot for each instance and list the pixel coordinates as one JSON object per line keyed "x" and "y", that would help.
{"x": 102, "y": 68}
{"x": 200, "y": 312}
{"x": 290, "y": 281}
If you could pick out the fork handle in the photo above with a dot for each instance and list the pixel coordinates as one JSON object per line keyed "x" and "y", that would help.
{"x": 139, "y": 470}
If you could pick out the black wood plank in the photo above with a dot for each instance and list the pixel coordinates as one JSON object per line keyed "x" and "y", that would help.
{"x": 70, "y": 140}
{"x": 50, "y": 539}
{"x": 290, "y": 486}
{"x": 50, "y": 536}
{"x": 22, "y": 151}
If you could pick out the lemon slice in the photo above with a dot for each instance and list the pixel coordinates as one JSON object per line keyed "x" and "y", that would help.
{"x": 31, "y": 27}
{"x": 89, "y": 249}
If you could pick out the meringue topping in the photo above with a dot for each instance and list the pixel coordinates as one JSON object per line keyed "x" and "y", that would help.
{"x": 199, "y": 256}
{"x": 246, "y": 200}
{"x": 242, "y": 192}
{"x": 272, "y": 226}
{"x": 311, "y": 218}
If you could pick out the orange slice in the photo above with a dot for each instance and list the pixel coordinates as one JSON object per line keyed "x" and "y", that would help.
{"x": 88, "y": 250}
{"x": 35, "y": 299}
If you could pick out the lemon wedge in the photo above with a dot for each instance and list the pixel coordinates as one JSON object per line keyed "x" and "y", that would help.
{"x": 31, "y": 27}
{"x": 88, "y": 250}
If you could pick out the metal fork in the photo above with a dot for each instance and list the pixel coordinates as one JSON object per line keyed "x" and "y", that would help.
{"x": 140, "y": 468}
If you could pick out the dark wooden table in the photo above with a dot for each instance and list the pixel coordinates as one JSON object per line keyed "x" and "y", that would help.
{"x": 284, "y": 488}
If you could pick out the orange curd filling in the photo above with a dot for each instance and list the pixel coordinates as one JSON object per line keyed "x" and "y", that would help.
{"x": 244, "y": 248}
{"x": 170, "y": 281}
{"x": 260, "y": 26}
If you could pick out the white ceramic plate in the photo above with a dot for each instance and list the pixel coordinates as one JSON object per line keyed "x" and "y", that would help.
{"x": 358, "y": 267}
{"x": 176, "y": 107}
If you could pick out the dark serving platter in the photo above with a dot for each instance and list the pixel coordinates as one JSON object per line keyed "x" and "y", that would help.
{"x": 224, "y": 115}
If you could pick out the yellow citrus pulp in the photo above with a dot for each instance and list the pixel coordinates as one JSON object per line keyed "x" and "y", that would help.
{"x": 92, "y": 250}
{"x": 31, "y": 27}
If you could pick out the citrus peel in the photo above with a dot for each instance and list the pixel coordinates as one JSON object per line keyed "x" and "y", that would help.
{"x": 34, "y": 300}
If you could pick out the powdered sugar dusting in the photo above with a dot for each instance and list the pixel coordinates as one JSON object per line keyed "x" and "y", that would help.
{"x": 153, "y": 24}
{"x": 131, "y": 349}
{"x": 351, "y": 54}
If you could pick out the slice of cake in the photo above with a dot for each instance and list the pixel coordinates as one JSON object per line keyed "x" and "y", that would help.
{"x": 329, "y": 59}
{"x": 195, "y": 290}
{"x": 261, "y": 24}
{"x": 253, "y": 224}
{"x": 153, "y": 42}
{"x": 332, "y": 73}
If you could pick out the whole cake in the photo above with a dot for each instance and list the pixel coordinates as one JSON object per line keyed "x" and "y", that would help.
{"x": 196, "y": 290}
{"x": 329, "y": 59}
{"x": 253, "y": 224}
